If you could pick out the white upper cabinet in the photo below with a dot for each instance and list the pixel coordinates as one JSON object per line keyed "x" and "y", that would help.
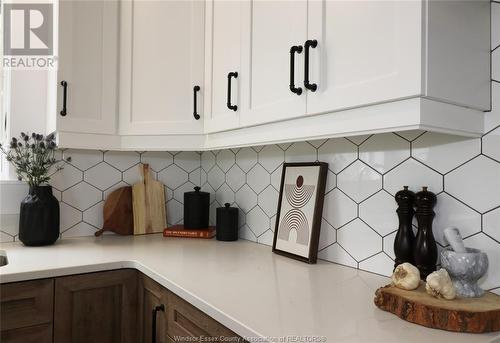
{"x": 196, "y": 74}
{"x": 162, "y": 54}
{"x": 274, "y": 27}
{"x": 88, "y": 54}
{"x": 379, "y": 51}
{"x": 225, "y": 21}
{"x": 363, "y": 67}
{"x": 367, "y": 52}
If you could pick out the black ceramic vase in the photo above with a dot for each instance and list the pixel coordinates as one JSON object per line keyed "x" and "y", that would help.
{"x": 39, "y": 217}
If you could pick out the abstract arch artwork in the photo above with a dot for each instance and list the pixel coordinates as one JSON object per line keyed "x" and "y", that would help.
{"x": 299, "y": 210}
{"x": 294, "y": 220}
{"x": 297, "y": 195}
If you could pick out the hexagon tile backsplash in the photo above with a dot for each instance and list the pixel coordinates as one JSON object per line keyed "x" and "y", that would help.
{"x": 359, "y": 221}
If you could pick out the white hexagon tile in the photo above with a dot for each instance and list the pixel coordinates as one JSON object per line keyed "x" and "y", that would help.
{"x": 338, "y": 153}
{"x": 359, "y": 220}
{"x": 157, "y": 160}
{"x": 359, "y": 181}
{"x": 476, "y": 183}
{"x": 444, "y": 152}
{"x": 246, "y": 158}
{"x": 383, "y": 152}
{"x": 375, "y": 210}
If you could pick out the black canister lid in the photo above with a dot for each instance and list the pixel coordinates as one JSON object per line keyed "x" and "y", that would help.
{"x": 227, "y": 207}
{"x": 196, "y": 191}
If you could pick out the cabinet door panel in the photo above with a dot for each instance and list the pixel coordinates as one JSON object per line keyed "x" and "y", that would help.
{"x": 275, "y": 27}
{"x": 368, "y": 52}
{"x": 96, "y": 307}
{"x": 225, "y": 20}
{"x": 151, "y": 294}
{"x": 88, "y": 57}
{"x": 163, "y": 44}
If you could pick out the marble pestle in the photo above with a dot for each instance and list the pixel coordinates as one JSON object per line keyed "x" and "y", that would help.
{"x": 454, "y": 239}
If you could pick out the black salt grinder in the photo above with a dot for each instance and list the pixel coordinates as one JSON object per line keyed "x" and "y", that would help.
{"x": 405, "y": 239}
{"x": 227, "y": 223}
{"x": 425, "y": 249}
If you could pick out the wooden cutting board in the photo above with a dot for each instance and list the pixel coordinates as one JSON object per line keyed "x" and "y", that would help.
{"x": 148, "y": 198}
{"x": 474, "y": 315}
{"x": 117, "y": 212}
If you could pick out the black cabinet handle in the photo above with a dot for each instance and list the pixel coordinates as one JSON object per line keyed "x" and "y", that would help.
{"x": 160, "y": 307}
{"x": 65, "y": 95}
{"x": 229, "y": 76}
{"x": 294, "y": 49}
{"x": 309, "y": 44}
{"x": 195, "y": 114}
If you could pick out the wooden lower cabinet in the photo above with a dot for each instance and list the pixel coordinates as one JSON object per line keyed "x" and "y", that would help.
{"x": 97, "y": 307}
{"x": 27, "y": 303}
{"x": 152, "y": 295}
{"x": 31, "y": 334}
{"x": 178, "y": 321}
{"x": 106, "y": 307}
{"x": 184, "y": 320}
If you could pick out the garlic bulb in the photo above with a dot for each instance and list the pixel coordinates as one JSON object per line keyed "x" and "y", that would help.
{"x": 439, "y": 285}
{"x": 406, "y": 276}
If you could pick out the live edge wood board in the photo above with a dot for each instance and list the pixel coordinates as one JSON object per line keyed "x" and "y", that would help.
{"x": 473, "y": 315}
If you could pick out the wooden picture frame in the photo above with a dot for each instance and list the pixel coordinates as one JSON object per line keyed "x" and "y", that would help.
{"x": 300, "y": 209}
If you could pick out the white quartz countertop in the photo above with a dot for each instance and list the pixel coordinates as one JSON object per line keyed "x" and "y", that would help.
{"x": 242, "y": 285}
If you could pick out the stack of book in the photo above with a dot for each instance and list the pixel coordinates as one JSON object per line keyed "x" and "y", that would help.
{"x": 180, "y": 231}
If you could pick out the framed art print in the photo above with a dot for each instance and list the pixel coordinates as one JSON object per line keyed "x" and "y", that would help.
{"x": 300, "y": 206}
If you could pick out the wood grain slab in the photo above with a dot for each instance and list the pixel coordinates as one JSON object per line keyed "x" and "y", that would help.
{"x": 473, "y": 315}
{"x": 148, "y": 197}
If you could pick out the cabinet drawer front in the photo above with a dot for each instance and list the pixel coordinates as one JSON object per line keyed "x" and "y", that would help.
{"x": 26, "y": 303}
{"x": 33, "y": 334}
{"x": 184, "y": 320}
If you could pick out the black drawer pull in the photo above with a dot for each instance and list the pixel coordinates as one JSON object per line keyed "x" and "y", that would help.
{"x": 160, "y": 307}
{"x": 294, "y": 49}
{"x": 309, "y": 44}
{"x": 195, "y": 105}
{"x": 229, "y": 76}
{"x": 65, "y": 95}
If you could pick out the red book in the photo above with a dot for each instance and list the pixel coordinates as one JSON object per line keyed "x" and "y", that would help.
{"x": 180, "y": 231}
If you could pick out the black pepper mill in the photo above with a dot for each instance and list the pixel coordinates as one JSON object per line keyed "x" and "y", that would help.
{"x": 425, "y": 250}
{"x": 405, "y": 239}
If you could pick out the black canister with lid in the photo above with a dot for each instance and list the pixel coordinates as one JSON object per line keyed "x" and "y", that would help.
{"x": 196, "y": 209}
{"x": 227, "y": 223}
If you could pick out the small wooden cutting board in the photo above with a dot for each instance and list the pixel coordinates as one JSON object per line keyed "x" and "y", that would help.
{"x": 117, "y": 212}
{"x": 148, "y": 197}
{"x": 474, "y": 315}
